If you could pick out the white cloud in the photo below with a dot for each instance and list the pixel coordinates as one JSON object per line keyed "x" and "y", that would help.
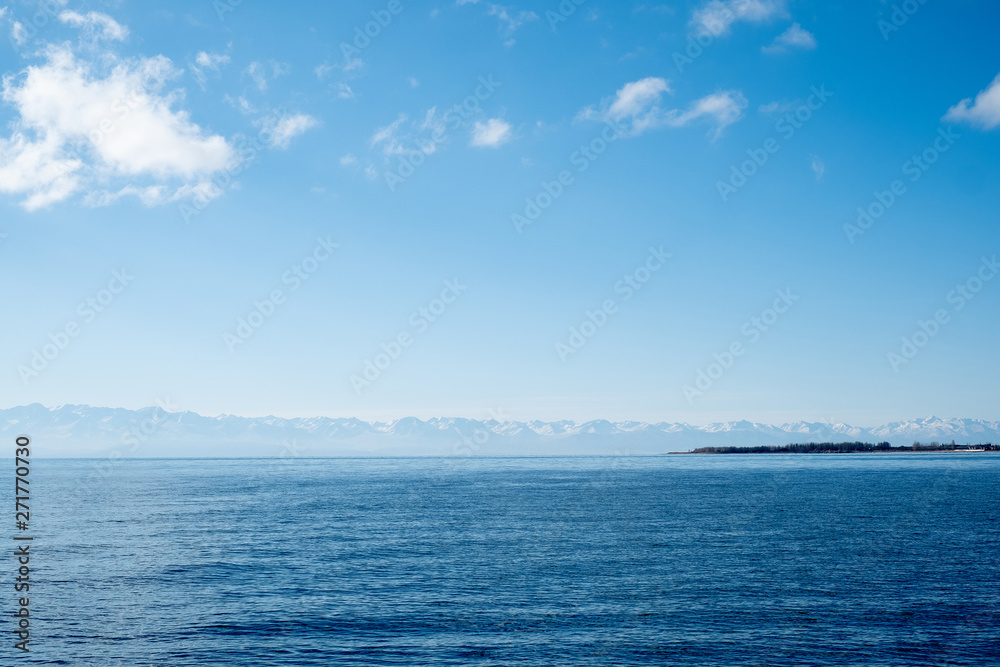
{"x": 796, "y": 37}
{"x": 637, "y": 107}
{"x": 638, "y": 96}
{"x": 492, "y": 134}
{"x": 344, "y": 92}
{"x": 718, "y": 16}
{"x": 39, "y": 170}
{"x": 982, "y": 112}
{"x": 80, "y": 124}
{"x": 97, "y": 24}
{"x": 289, "y": 127}
{"x": 348, "y": 160}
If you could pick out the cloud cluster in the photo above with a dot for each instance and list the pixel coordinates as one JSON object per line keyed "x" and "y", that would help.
{"x": 90, "y": 123}
{"x": 637, "y": 107}
{"x": 78, "y": 126}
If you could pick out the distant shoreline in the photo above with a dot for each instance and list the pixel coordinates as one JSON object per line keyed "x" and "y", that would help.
{"x": 850, "y": 448}
{"x": 896, "y": 451}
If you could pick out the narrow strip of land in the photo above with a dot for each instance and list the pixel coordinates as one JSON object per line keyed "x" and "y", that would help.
{"x": 845, "y": 448}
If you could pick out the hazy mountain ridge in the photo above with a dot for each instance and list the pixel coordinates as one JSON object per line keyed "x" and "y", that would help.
{"x": 78, "y": 430}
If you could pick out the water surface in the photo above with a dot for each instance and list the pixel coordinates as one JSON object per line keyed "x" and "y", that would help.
{"x": 696, "y": 560}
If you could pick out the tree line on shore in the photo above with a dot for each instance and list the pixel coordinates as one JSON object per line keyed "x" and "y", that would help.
{"x": 841, "y": 448}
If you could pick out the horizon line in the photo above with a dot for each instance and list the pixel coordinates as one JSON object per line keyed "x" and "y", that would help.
{"x": 492, "y": 419}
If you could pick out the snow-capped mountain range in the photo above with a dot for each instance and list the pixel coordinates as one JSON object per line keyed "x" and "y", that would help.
{"x": 79, "y": 430}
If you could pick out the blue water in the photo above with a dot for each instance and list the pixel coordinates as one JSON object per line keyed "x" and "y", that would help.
{"x": 708, "y": 560}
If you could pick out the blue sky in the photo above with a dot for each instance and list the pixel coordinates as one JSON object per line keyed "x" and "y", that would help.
{"x": 570, "y": 211}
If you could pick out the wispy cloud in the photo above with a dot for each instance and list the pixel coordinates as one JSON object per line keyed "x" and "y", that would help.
{"x": 345, "y": 92}
{"x": 323, "y": 70}
{"x": 386, "y": 137}
{"x": 818, "y": 167}
{"x": 983, "y": 112}
{"x": 207, "y": 62}
{"x": 796, "y": 37}
{"x": 637, "y": 106}
{"x": 98, "y": 25}
{"x": 289, "y": 127}
{"x": 18, "y": 33}
{"x": 262, "y": 74}
{"x": 510, "y": 19}
{"x": 718, "y": 16}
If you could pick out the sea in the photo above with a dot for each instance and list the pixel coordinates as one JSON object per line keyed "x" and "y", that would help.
{"x": 837, "y": 559}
